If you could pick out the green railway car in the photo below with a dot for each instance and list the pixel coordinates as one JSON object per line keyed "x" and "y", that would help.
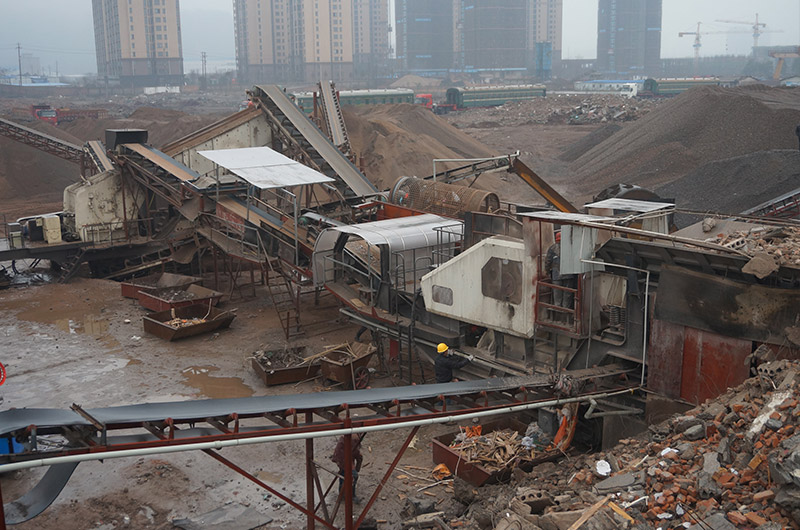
{"x": 491, "y": 96}
{"x": 675, "y": 86}
{"x": 305, "y": 100}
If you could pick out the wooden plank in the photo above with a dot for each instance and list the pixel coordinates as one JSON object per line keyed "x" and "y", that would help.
{"x": 589, "y": 513}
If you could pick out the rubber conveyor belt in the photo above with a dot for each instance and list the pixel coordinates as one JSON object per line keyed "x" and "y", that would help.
{"x": 187, "y": 411}
{"x": 345, "y": 169}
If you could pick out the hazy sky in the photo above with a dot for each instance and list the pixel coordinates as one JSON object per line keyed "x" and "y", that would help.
{"x": 61, "y": 31}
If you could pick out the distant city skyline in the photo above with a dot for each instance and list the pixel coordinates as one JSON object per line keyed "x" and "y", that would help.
{"x": 63, "y": 40}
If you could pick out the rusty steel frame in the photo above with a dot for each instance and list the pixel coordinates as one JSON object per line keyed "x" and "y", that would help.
{"x": 48, "y": 144}
{"x": 289, "y": 426}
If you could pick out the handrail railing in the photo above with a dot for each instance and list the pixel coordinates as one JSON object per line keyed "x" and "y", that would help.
{"x": 544, "y": 311}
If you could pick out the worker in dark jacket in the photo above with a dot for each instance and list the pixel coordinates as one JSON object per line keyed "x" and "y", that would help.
{"x": 358, "y": 458}
{"x": 446, "y": 362}
{"x": 797, "y": 132}
{"x": 552, "y": 267}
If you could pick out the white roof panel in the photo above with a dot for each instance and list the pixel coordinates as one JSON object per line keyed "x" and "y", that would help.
{"x": 553, "y": 216}
{"x": 264, "y": 168}
{"x": 630, "y": 205}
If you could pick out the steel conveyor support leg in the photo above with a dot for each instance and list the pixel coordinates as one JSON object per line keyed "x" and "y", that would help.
{"x": 386, "y": 476}
{"x": 2, "y": 511}
{"x": 310, "y": 503}
{"x": 348, "y": 477}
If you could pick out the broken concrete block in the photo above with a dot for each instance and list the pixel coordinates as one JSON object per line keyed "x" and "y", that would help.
{"x": 788, "y": 498}
{"x": 421, "y": 505}
{"x": 695, "y": 432}
{"x": 717, "y": 521}
{"x": 761, "y": 265}
{"x": 464, "y": 492}
{"x": 682, "y": 423}
{"x": 773, "y": 424}
{"x": 619, "y": 483}
{"x": 536, "y": 500}
{"x": 731, "y": 418}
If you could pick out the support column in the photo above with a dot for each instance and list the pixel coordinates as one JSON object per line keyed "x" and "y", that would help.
{"x": 310, "y": 502}
{"x": 348, "y": 476}
{"x": 2, "y": 511}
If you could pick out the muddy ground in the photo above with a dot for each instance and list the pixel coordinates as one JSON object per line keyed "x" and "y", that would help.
{"x": 65, "y": 344}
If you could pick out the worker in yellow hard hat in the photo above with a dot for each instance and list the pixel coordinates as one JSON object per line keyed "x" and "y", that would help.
{"x": 446, "y": 362}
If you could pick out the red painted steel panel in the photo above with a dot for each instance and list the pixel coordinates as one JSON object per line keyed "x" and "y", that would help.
{"x": 711, "y": 364}
{"x": 664, "y": 356}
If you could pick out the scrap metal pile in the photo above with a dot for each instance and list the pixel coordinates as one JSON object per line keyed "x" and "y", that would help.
{"x": 731, "y": 463}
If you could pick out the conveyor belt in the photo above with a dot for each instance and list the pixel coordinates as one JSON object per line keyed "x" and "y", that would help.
{"x": 188, "y": 411}
{"x": 97, "y": 152}
{"x": 167, "y": 163}
{"x": 339, "y": 164}
{"x": 333, "y": 114}
{"x": 44, "y": 142}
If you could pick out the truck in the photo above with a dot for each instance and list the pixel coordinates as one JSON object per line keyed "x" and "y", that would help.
{"x": 426, "y": 100}
{"x": 55, "y": 116}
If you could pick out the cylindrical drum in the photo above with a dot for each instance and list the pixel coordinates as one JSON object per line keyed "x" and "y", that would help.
{"x": 442, "y": 199}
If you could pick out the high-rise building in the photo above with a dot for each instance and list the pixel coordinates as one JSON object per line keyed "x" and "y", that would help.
{"x": 629, "y": 37}
{"x": 370, "y": 38}
{"x": 545, "y": 18}
{"x": 309, "y": 40}
{"x": 494, "y": 35}
{"x": 478, "y": 35}
{"x": 425, "y": 35}
{"x": 265, "y": 48}
{"x": 138, "y": 41}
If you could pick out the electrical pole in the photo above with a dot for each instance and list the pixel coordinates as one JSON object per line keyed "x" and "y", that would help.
{"x": 204, "y": 82}
{"x": 19, "y": 60}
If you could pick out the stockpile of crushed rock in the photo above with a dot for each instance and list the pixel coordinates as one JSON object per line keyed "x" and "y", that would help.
{"x": 702, "y": 125}
{"x": 402, "y": 140}
{"x": 736, "y": 184}
{"x": 733, "y": 462}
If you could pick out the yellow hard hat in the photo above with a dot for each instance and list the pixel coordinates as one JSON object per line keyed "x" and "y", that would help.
{"x": 442, "y": 347}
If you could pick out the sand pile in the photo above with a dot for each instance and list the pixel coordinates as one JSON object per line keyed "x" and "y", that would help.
{"x": 693, "y": 129}
{"x": 403, "y": 140}
{"x": 163, "y": 125}
{"x": 32, "y": 181}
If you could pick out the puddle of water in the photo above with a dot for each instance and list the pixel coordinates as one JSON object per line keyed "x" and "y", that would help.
{"x": 270, "y": 478}
{"x": 200, "y": 377}
{"x": 90, "y": 325}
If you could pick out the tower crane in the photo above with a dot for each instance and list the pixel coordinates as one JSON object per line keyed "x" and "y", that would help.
{"x": 697, "y": 42}
{"x": 757, "y": 31}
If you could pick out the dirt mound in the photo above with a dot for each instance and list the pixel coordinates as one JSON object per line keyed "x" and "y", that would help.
{"x": 163, "y": 125}
{"x": 702, "y": 125}
{"x": 588, "y": 142}
{"x": 32, "y": 181}
{"x": 742, "y": 179}
{"x": 402, "y": 140}
{"x": 416, "y": 82}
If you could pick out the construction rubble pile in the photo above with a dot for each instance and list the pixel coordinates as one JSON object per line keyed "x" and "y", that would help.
{"x": 780, "y": 244}
{"x": 730, "y": 463}
{"x": 560, "y": 109}
{"x": 501, "y": 449}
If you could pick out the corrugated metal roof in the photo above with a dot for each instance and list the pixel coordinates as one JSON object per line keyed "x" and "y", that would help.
{"x": 630, "y": 205}
{"x": 552, "y": 216}
{"x": 264, "y": 168}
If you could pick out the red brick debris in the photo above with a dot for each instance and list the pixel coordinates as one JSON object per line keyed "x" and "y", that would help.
{"x": 733, "y": 462}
